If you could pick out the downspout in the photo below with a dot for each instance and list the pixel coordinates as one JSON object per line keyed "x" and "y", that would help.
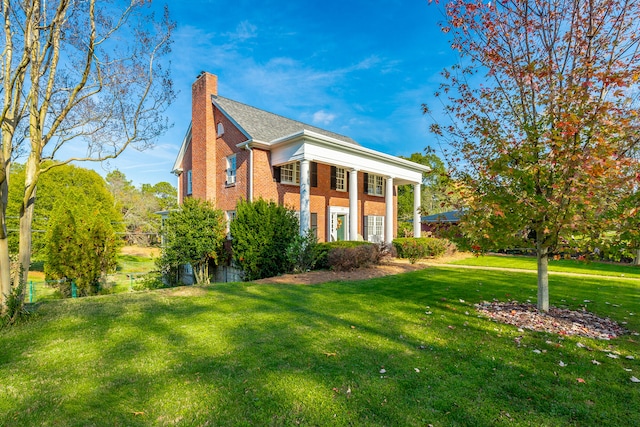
{"x": 250, "y": 191}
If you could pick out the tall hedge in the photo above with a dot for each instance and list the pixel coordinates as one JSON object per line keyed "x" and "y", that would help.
{"x": 193, "y": 234}
{"x": 81, "y": 246}
{"x": 261, "y": 234}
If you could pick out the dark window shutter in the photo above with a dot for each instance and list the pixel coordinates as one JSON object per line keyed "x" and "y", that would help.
{"x": 333, "y": 177}
{"x": 276, "y": 173}
{"x": 314, "y": 174}
{"x": 314, "y": 223}
{"x": 347, "y": 178}
{"x": 365, "y": 183}
{"x": 365, "y": 228}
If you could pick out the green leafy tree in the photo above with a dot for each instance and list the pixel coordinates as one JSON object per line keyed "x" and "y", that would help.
{"x": 66, "y": 185}
{"x": 139, "y": 207}
{"x": 437, "y": 192}
{"x": 194, "y": 234}
{"x": 262, "y": 234}
{"x": 86, "y": 73}
{"x": 82, "y": 246}
{"x": 543, "y": 108}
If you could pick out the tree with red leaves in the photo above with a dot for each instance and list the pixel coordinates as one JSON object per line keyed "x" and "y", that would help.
{"x": 542, "y": 120}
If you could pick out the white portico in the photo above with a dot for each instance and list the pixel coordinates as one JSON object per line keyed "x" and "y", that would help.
{"x": 387, "y": 172}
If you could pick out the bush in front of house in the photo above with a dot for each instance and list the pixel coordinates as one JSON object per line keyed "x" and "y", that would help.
{"x": 302, "y": 254}
{"x": 195, "y": 235}
{"x": 262, "y": 234}
{"x": 345, "y": 255}
{"x": 415, "y": 248}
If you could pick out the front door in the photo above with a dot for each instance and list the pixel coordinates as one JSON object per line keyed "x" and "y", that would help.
{"x": 341, "y": 233}
{"x": 337, "y": 223}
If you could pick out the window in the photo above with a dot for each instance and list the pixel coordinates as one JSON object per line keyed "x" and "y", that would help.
{"x": 374, "y": 228}
{"x": 189, "y": 183}
{"x": 231, "y": 170}
{"x": 290, "y": 173}
{"x": 220, "y": 130}
{"x": 341, "y": 179}
{"x": 314, "y": 222}
{"x": 375, "y": 185}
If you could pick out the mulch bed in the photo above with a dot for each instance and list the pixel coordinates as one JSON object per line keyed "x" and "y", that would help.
{"x": 557, "y": 320}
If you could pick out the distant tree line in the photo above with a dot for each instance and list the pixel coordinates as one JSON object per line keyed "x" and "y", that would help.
{"x": 139, "y": 207}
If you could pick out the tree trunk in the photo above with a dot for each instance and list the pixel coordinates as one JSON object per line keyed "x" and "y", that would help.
{"x": 26, "y": 220}
{"x": 543, "y": 277}
{"x": 5, "y": 261}
{"x": 5, "y": 271}
{"x": 201, "y": 271}
{"x": 24, "y": 257}
{"x": 636, "y": 260}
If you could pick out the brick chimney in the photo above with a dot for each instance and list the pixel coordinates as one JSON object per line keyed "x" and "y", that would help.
{"x": 203, "y": 136}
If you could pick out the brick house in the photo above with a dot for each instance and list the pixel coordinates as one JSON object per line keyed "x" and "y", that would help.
{"x": 341, "y": 189}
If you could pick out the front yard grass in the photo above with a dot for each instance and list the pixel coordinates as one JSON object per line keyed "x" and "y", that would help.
{"x": 562, "y": 265}
{"x": 405, "y": 350}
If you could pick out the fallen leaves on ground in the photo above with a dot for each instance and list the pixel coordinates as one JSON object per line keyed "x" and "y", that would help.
{"x": 556, "y": 320}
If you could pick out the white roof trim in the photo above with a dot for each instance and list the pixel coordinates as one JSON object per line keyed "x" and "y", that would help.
{"x": 177, "y": 166}
{"x": 357, "y": 149}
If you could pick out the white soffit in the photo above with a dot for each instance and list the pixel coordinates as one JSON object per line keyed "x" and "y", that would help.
{"x": 314, "y": 147}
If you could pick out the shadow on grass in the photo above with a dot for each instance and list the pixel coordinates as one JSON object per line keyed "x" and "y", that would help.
{"x": 244, "y": 354}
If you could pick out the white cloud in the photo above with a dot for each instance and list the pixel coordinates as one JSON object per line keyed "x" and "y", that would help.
{"x": 244, "y": 30}
{"x": 323, "y": 118}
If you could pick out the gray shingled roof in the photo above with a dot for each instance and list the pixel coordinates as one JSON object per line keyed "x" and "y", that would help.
{"x": 267, "y": 127}
{"x": 450, "y": 216}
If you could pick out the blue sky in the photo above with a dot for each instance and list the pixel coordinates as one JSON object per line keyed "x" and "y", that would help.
{"x": 360, "y": 68}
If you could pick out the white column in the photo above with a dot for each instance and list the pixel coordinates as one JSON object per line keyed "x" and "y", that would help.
{"x": 388, "y": 218}
{"x": 417, "y": 226}
{"x": 305, "y": 200}
{"x": 353, "y": 204}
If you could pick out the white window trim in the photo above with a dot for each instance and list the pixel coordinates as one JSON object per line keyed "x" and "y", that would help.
{"x": 295, "y": 172}
{"x": 189, "y": 182}
{"x": 375, "y": 228}
{"x": 372, "y": 185}
{"x": 341, "y": 181}
{"x": 231, "y": 172}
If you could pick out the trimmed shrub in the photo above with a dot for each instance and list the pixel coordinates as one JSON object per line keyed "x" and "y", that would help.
{"x": 194, "y": 235}
{"x": 326, "y": 247}
{"x": 422, "y": 247}
{"x": 347, "y": 259}
{"x": 262, "y": 233}
{"x": 82, "y": 246}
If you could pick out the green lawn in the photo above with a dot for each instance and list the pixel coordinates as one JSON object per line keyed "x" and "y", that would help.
{"x": 129, "y": 268}
{"x": 566, "y": 266}
{"x": 246, "y": 354}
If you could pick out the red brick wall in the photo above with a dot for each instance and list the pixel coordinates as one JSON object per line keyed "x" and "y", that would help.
{"x": 207, "y": 158}
{"x": 320, "y": 197}
{"x": 228, "y": 195}
{"x": 203, "y": 131}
